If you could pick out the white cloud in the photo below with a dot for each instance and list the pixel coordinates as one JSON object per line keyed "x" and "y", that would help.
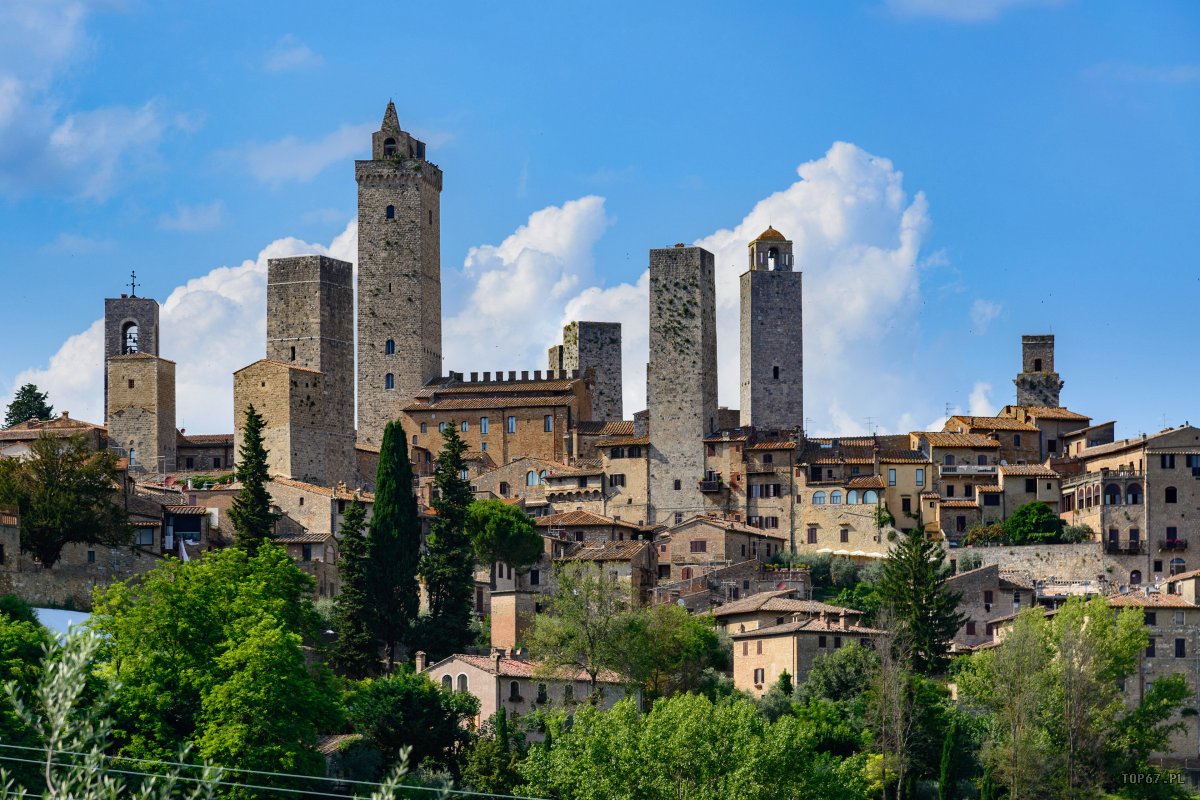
{"x": 294, "y": 159}
{"x": 200, "y": 217}
{"x": 210, "y": 326}
{"x": 518, "y": 288}
{"x": 75, "y": 244}
{"x": 290, "y": 53}
{"x": 979, "y": 404}
{"x": 857, "y": 239}
{"x": 44, "y": 147}
{"x": 962, "y": 10}
{"x": 983, "y": 313}
{"x": 1174, "y": 74}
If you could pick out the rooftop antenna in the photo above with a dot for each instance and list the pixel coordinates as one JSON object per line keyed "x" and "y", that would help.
{"x": 870, "y": 426}
{"x": 132, "y": 283}
{"x": 949, "y": 410}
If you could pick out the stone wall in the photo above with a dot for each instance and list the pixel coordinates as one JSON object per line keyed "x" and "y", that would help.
{"x": 772, "y": 362}
{"x": 119, "y": 313}
{"x": 141, "y": 410}
{"x": 681, "y": 385}
{"x": 1070, "y": 562}
{"x": 595, "y": 346}
{"x": 399, "y": 277}
{"x": 291, "y": 402}
{"x": 1038, "y": 384}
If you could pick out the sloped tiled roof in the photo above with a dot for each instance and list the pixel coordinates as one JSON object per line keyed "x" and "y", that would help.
{"x": 569, "y": 519}
{"x": 517, "y": 668}
{"x": 225, "y": 439}
{"x": 770, "y": 235}
{"x": 302, "y": 538}
{"x": 335, "y": 493}
{"x": 807, "y": 625}
{"x": 1149, "y": 600}
{"x": 58, "y": 426}
{"x": 730, "y": 525}
{"x": 958, "y": 439}
{"x": 620, "y": 427}
{"x": 636, "y": 440}
{"x": 607, "y": 551}
{"x": 992, "y": 423}
{"x": 270, "y": 362}
{"x": 186, "y": 511}
{"x": 785, "y": 605}
{"x": 903, "y": 457}
{"x": 1048, "y": 412}
{"x": 1184, "y": 576}
{"x": 773, "y": 445}
{"x": 1028, "y": 470}
{"x": 958, "y": 503}
{"x": 866, "y": 482}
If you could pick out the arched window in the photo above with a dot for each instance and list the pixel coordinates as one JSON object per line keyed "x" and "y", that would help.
{"x": 1178, "y": 566}
{"x": 852, "y": 497}
{"x": 870, "y": 496}
{"x": 391, "y": 212}
{"x": 542, "y": 476}
{"x": 1135, "y": 577}
{"x": 1112, "y": 495}
{"x": 389, "y": 381}
{"x": 514, "y": 690}
{"x": 1171, "y": 495}
{"x": 835, "y": 498}
{"x": 462, "y": 682}
{"x": 773, "y": 259}
{"x": 541, "y": 696}
{"x": 948, "y": 460}
{"x": 389, "y": 347}
{"x": 531, "y": 478}
{"x": 775, "y": 370}
{"x": 129, "y": 338}
{"x": 447, "y": 683}
{"x": 818, "y": 498}
{"x": 1133, "y": 494}
{"x": 569, "y": 693}
{"x": 1037, "y": 365}
{"x": 389, "y": 147}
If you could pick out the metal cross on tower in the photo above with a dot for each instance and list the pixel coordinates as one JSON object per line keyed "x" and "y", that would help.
{"x": 132, "y": 283}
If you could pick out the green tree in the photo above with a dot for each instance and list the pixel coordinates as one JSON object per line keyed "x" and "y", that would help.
{"x": 23, "y": 643}
{"x": 448, "y": 565}
{"x": 504, "y": 533}
{"x": 584, "y": 626}
{"x": 28, "y": 404}
{"x": 407, "y": 710}
{"x": 1144, "y": 730}
{"x": 668, "y": 650}
{"x": 491, "y": 760}
{"x": 394, "y": 546}
{"x": 64, "y": 493}
{"x": 356, "y": 651}
{"x": 913, "y": 586}
{"x": 840, "y": 676}
{"x": 202, "y": 649}
{"x": 1034, "y": 523}
{"x": 251, "y": 515}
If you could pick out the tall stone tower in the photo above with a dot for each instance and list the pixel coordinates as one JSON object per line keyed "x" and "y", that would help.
{"x": 681, "y": 378}
{"x": 130, "y": 326}
{"x": 1038, "y": 384}
{"x": 772, "y": 336}
{"x": 399, "y": 275}
{"x": 310, "y": 323}
{"x": 595, "y": 346}
{"x": 140, "y": 410}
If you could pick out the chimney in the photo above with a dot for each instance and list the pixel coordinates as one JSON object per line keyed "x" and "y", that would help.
{"x": 420, "y": 661}
{"x": 524, "y": 374}
{"x": 497, "y": 654}
{"x": 844, "y": 621}
{"x": 65, "y": 415}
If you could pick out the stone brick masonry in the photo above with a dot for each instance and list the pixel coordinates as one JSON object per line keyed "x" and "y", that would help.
{"x": 772, "y": 349}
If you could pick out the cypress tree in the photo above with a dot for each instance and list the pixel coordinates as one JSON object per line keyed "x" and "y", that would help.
{"x": 394, "y": 547}
{"x": 449, "y": 563}
{"x": 913, "y": 585}
{"x": 251, "y": 510}
{"x": 356, "y": 653}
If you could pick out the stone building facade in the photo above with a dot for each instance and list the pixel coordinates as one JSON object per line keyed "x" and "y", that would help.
{"x": 595, "y": 346}
{"x": 772, "y": 363}
{"x": 761, "y": 655}
{"x": 399, "y": 275}
{"x": 1038, "y": 384}
{"x": 681, "y": 381}
{"x": 310, "y": 323}
{"x": 141, "y": 411}
{"x": 130, "y": 326}
{"x": 290, "y": 399}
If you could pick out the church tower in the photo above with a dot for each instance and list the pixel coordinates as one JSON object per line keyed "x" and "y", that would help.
{"x": 772, "y": 341}
{"x": 399, "y": 276}
{"x": 130, "y": 326}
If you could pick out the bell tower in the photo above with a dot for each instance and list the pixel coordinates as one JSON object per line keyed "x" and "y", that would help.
{"x": 399, "y": 275}
{"x": 130, "y": 327}
{"x": 772, "y": 336}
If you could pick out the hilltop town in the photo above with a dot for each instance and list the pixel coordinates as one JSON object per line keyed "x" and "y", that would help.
{"x": 735, "y": 515}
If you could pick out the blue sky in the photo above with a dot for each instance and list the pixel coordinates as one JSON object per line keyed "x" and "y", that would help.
{"x": 972, "y": 171}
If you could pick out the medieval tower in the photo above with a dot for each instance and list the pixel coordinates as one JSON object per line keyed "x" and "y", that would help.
{"x": 595, "y": 346}
{"x": 772, "y": 391}
{"x": 130, "y": 326}
{"x": 399, "y": 276}
{"x": 681, "y": 379}
{"x": 1038, "y": 384}
{"x": 140, "y": 410}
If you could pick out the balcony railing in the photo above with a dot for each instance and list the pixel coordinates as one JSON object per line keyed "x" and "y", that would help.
{"x": 967, "y": 469}
{"x": 711, "y": 486}
{"x": 1172, "y": 544}
{"x": 1129, "y": 548}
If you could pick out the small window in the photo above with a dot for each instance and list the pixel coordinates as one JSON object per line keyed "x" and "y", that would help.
{"x": 535, "y": 577}
{"x": 1181, "y": 648}
{"x": 698, "y": 546}
{"x": 447, "y": 683}
{"x": 1151, "y": 647}
{"x": 678, "y": 484}
{"x": 679, "y": 520}
{"x": 1167, "y": 461}
{"x": 818, "y": 498}
{"x": 548, "y": 423}
{"x": 541, "y": 693}
{"x": 503, "y": 489}
{"x": 389, "y": 381}
{"x": 464, "y": 426}
{"x": 389, "y": 347}
{"x": 217, "y": 462}
{"x": 971, "y": 628}
{"x": 1171, "y": 495}
{"x": 91, "y": 556}
{"x": 1031, "y": 485}
{"x": 190, "y": 462}
{"x": 483, "y": 425}
{"x": 760, "y": 676}
{"x": 512, "y": 425}
{"x": 514, "y": 691}
{"x": 389, "y": 147}
{"x": 617, "y": 479}
{"x": 835, "y": 498}
{"x": 131, "y": 383}
{"x": 775, "y": 372}
{"x": 844, "y": 535}
{"x": 391, "y": 212}
{"x": 464, "y": 475}
{"x": 293, "y": 353}
{"x": 569, "y": 693}
{"x": 1180, "y": 617}
{"x": 891, "y": 477}
{"x": 1016, "y": 440}
{"x": 441, "y": 427}
{"x": 837, "y": 642}
{"x": 306, "y": 552}
{"x": 531, "y": 478}
{"x": 920, "y": 477}
{"x": 301, "y": 501}
{"x": 812, "y": 534}
{"x": 906, "y": 505}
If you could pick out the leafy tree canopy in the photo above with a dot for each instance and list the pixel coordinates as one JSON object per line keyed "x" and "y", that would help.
{"x": 28, "y": 404}
{"x": 504, "y": 533}
{"x": 1034, "y": 523}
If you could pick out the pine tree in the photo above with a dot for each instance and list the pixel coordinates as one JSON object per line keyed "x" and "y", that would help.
{"x": 356, "y": 653}
{"x": 394, "y": 546}
{"x": 28, "y": 404}
{"x": 449, "y": 564}
{"x": 913, "y": 585}
{"x": 251, "y": 510}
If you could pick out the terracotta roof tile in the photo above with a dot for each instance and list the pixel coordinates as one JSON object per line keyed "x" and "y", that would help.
{"x": 808, "y": 625}
{"x": 302, "y": 538}
{"x": 1184, "y": 576}
{"x": 518, "y": 668}
{"x": 334, "y": 493}
{"x": 990, "y": 423}
{"x": 1028, "y": 470}
{"x": 186, "y": 511}
{"x": 958, "y": 503}
{"x": 866, "y": 482}
{"x": 770, "y": 235}
{"x": 284, "y": 364}
{"x": 1149, "y": 600}
{"x": 620, "y": 427}
{"x": 579, "y": 518}
{"x": 1047, "y": 412}
{"x": 775, "y": 445}
{"x": 607, "y": 551}
{"x": 644, "y": 441}
{"x": 958, "y": 439}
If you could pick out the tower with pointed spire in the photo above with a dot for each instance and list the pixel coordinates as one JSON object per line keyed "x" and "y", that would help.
{"x": 772, "y": 367}
{"x": 399, "y": 275}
